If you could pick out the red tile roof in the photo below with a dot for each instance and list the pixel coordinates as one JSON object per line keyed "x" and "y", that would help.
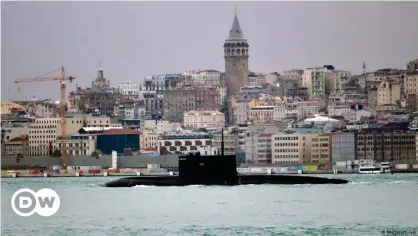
{"x": 20, "y": 139}
{"x": 121, "y": 131}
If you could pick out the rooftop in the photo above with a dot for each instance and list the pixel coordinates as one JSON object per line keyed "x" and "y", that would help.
{"x": 20, "y": 139}
{"x": 121, "y": 131}
{"x": 302, "y": 131}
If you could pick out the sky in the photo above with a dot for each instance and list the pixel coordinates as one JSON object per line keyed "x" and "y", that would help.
{"x": 136, "y": 39}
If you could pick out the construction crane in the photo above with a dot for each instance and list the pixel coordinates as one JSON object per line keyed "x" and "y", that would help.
{"x": 62, "y": 79}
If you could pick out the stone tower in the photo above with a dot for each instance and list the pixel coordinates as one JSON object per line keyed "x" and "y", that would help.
{"x": 236, "y": 58}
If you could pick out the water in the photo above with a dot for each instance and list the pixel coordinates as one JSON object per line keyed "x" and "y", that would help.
{"x": 367, "y": 206}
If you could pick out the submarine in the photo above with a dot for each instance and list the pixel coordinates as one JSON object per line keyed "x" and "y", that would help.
{"x": 196, "y": 169}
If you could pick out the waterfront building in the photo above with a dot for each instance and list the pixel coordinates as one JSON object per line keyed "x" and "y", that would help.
{"x": 123, "y": 141}
{"x": 293, "y": 146}
{"x": 43, "y": 132}
{"x": 230, "y": 141}
{"x": 255, "y": 150}
{"x": 321, "y": 150}
{"x": 78, "y": 144}
{"x": 386, "y": 144}
{"x": 182, "y": 142}
{"x": 343, "y": 147}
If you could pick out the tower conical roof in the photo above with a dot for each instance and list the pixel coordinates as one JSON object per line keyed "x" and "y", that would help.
{"x": 235, "y": 32}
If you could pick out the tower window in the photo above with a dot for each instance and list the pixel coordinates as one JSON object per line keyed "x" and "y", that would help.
{"x": 243, "y": 64}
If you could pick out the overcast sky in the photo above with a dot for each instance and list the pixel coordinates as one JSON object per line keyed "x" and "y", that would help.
{"x": 136, "y": 39}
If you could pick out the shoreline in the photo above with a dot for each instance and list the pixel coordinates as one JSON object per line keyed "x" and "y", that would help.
{"x": 134, "y": 174}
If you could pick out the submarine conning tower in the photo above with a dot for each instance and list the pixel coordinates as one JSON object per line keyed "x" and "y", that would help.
{"x": 195, "y": 169}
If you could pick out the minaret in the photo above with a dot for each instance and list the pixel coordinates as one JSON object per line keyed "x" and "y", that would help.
{"x": 364, "y": 67}
{"x": 236, "y": 58}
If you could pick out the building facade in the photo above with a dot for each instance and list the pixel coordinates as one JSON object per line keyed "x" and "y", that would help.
{"x": 183, "y": 143}
{"x": 343, "y": 147}
{"x": 204, "y": 119}
{"x": 130, "y": 90}
{"x": 386, "y": 144}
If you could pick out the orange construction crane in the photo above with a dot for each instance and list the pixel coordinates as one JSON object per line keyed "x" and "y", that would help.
{"x": 62, "y": 79}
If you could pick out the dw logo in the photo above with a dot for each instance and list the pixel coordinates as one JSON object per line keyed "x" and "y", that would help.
{"x": 45, "y": 202}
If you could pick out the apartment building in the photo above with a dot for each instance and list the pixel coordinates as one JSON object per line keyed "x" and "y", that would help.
{"x": 16, "y": 147}
{"x": 202, "y": 77}
{"x": 411, "y": 82}
{"x": 320, "y": 81}
{"x": 388, "y": 93}
{"x": 261, "y": 114}
{"x": 293, "y": 146}
{"x": 204, "y": 119}
{"x": 181, "y": 100}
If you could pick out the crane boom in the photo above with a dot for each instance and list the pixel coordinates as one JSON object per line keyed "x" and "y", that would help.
{"x": 62, "y": 78}
{"x": 29, "y": 80}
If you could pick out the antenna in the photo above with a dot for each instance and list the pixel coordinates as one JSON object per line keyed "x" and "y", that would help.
{"x": 222, "y": 142}
{"x": 236, "y": 9}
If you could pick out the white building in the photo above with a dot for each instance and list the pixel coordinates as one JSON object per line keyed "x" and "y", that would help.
{"x": 157, "y": 126}
{"x": 44, "y": 132}
{"x": 204, "y": 119}
{"x": 341, "y": 78}
{"x": 203, "y": 77}
{"x": 307, "y": 108}
{"x": 79, "y": 144}
{"x": 131, "y": 90}
{"x": 240, "y": 113}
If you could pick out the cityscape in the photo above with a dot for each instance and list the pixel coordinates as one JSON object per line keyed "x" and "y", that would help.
{"x": 209, "y": 118}
{"x": 315, "y": 119}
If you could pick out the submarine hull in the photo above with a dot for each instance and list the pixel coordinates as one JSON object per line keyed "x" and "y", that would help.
{"x": 240, "y": 180}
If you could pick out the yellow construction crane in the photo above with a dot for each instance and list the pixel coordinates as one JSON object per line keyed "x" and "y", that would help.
{"x": 62, "y": 79}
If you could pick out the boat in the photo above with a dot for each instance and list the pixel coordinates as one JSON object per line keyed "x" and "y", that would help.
{"x": 220, "y": 169}
{"x": 384, "y": 168}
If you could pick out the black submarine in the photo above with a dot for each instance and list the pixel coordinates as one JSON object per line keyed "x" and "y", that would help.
{"x": 195, "y": 169}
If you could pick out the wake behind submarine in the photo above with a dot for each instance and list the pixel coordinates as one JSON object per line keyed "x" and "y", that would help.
{"x": 195, "y": 169}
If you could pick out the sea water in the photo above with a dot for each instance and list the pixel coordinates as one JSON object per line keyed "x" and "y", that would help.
{"x": 369, "y": 205}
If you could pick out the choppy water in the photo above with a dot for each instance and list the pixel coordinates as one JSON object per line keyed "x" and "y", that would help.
{"x": 367, "y": 206}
